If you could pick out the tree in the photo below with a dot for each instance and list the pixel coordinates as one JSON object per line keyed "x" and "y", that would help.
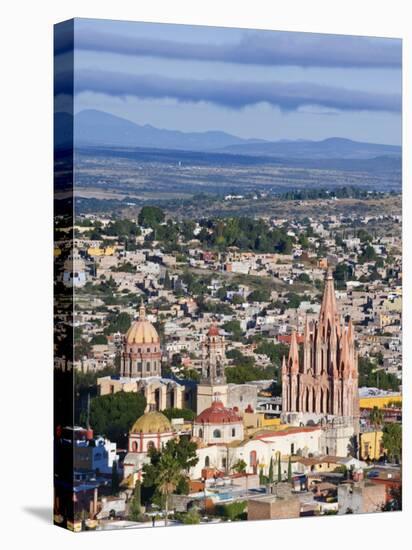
{"x": 113, "y": 415}
{"x": 259, "y": 295}
{"x": 279, "y": 468}
{"x": 392, "y": 441}
{"x": 233, "y": 511}
{"x": 270, "y": 476}
{"x": 304, "y": 278}
{"x": 150, "y": 216}
{"x": 135, "y": 509}
{"x": 239, "y": 466}
{"x": 169, "y": 475}
{"x": 119, "y": 323}
{"x": 290, "y": 470}
{"x": 192, "y": 517}
{"x": 368, "y": 254}
{"x": 235, "y": 330}
{"x": 98, "y": 339}
{"x": 246, "y": 373}
{"x": 293, "y": 300}
{"x": 168, "y": 469}
{"x": 376, "y": 419}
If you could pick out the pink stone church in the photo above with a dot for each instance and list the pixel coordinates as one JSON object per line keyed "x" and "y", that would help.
{"x": 321, "y": 381}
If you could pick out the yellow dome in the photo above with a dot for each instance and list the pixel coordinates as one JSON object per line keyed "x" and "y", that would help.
{"x": 152, "y": 422}
{"x": 142, "y": 331}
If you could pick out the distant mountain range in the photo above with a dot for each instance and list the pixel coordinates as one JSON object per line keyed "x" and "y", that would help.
{"x": 96, "y": 128}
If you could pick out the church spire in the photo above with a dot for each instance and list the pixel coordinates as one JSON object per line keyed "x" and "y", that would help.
{"x": 293, "y": 359}
{"x": 329, "y": 310}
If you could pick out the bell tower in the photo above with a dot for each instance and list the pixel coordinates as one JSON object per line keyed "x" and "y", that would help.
{"x": 213, "y": 383}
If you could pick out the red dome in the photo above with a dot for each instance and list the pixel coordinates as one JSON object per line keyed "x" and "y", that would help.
{"x": 213, "y": 331}
{"x": 218, "y": 414}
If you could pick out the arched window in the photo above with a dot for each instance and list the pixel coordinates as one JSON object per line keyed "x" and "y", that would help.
{"x": 134, "y": 446}
{"x": 150, "y": 445}
{"x": 217, "y": 434}
{"x": 207, "y": 462}
{"x": 252, "y": 458}
{"x": 200, "y": 432}
{"x": 233, "y": 432}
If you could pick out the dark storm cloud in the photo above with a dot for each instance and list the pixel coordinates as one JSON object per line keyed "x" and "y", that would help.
{"x": 257, "y": 48}
{"x": 234, "y": 95}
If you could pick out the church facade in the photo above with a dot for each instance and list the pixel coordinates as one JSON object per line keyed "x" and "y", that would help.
{"x": 320, "y": 381}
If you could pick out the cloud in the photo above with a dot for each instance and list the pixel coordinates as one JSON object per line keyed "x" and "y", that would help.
{"x": 233, "y": 94}
{"x": 257, "y": 48}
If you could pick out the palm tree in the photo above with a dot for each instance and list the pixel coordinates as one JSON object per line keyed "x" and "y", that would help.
{"x": 170, "y": 473}
{"x": 376, "y": 419}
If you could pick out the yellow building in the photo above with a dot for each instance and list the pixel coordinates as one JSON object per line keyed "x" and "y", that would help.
{"x": 370, "y": 446}
{"x": 380, "y": 401}
{"x": 96, "y": 251}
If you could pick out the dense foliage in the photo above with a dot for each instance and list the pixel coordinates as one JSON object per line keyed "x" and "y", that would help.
{"x": 372, "y": 377}
{"x": 113, "y": 415}
{"x": 392, "y": 441}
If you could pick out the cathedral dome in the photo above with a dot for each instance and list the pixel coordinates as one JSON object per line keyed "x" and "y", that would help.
{"x": 152, "y": 422}
{"x": 142, "y": 331}
{"x": 217, "y": 413}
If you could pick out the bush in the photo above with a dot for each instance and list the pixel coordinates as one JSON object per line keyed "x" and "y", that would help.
{"x": 192, "y": 517}
{"x": 234, "y": 511}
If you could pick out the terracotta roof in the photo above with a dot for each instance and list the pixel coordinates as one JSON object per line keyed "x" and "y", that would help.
{"x": 288, "y": 431}
{"x": 218, "y": 414}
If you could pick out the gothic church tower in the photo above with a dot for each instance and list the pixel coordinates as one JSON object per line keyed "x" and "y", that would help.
{"x": 324, "y": 383}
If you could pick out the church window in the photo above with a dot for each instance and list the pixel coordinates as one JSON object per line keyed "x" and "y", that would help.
{"x": 224, "y": 462}
{"x": 200, "y": 432}
{"x": 207, "y": 462}
{"x": 252, "y": 458}
{"x": 233, "y": 432}
{"x": 217, "y": 434}
{"x": 134, "y": 447}
{"x": 292, "y": 449}
{"x": 148, "y": 366}
{"x": 150, "y": 445}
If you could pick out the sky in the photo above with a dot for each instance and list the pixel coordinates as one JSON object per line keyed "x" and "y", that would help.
{"x": 254, "y": 84}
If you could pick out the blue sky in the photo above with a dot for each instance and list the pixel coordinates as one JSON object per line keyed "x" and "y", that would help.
{"x": 263, "y": 84}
